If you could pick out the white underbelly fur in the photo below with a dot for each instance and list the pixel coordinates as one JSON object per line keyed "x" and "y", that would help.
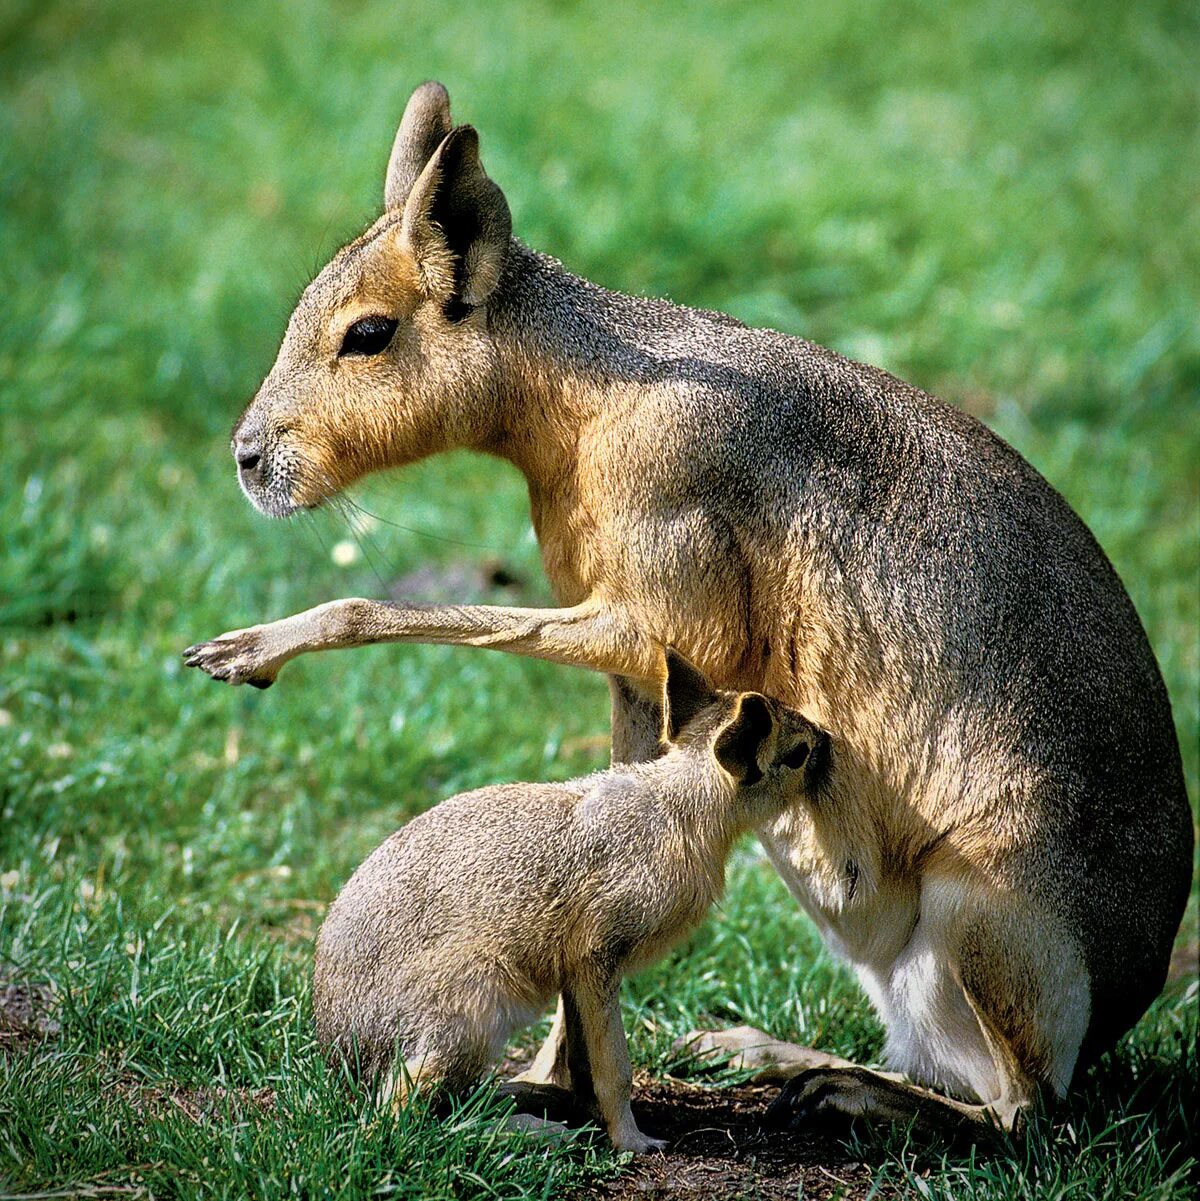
{"x": 894, "y": 940}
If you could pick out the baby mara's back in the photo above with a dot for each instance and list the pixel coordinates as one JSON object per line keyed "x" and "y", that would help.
{"x": 488, "y": 898}
{"x": 475, "y": 886}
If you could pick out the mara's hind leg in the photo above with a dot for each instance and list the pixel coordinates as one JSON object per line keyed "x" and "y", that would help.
{"x": 772, "y": 1060}
{"x": 1023, "y": 984}
{"x": 826, "y": 1095}
{"x": 853, "y": 1093}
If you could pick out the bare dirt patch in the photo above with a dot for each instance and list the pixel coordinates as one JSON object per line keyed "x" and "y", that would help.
{"x": 26, "y": 1012}
{"x": 718, "y": 1149}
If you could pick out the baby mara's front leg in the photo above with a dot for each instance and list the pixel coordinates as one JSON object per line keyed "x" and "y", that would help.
{"x": 636, "y": 737}
{"x": 591, "y": 634}
{"x": 599, "y": 1058}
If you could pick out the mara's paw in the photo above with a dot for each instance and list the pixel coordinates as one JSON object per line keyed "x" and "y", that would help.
{"x": 745, "y": 1048}
{"x": 240, "y": 657}
{"x": 837, "y": 1096}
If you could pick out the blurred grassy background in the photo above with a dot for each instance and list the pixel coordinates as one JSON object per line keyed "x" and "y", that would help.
{"x": 996, "y": 202}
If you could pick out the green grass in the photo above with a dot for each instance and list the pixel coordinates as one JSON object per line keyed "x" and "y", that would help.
{"x": 996, "y": 202}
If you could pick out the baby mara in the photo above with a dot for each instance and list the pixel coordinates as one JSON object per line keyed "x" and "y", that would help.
{"x": 465, "y": 924}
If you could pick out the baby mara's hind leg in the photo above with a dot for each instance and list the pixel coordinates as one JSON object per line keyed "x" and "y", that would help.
{"x": 432, "y": 1073}
{"x": 454, "y": 1030}
{"x": 1019, "y": 980}
{"x": 442, "y": 1073}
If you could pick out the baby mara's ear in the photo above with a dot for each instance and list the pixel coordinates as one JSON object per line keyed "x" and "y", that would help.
{"x": 801, "y": 745}
{"x": 746, "y": 744}
{"x": 686, "y": 692}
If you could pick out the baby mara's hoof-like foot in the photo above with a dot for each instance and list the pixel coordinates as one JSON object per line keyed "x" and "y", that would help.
{"x": 239, "y": 657}
{"x": 540, "y": 1128}
{"x": 745, "y": 1047}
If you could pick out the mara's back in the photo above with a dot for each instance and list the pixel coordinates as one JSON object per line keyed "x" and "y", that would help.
{"x": 471, "y": 870}
{"x": 861, "y": 513}
{"x": 892, "y": 568}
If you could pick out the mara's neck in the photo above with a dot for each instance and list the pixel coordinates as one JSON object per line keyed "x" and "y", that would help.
{"x": 564, "y": 360}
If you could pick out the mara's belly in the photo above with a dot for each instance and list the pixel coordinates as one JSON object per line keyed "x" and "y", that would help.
{"x": 893, "y": 931}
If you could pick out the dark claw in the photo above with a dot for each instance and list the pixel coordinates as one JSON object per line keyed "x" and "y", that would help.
{"x": 260, "y": 683}
{"x": 799, "y": 1101}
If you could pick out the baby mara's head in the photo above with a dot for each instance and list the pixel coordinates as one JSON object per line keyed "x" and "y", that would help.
{"x": 764, "y": 756}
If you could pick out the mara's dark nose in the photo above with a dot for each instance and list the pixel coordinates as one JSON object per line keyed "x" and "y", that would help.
{"x": 248, "y": 455}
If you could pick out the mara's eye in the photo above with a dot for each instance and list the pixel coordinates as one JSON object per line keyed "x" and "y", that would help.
{"x": 368, "y": 335}
{"x": 797, "y": 756}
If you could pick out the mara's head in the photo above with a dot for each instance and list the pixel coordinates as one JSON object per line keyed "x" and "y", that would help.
{"x": 386, "y": 358}
{"x": 769, "y": 756}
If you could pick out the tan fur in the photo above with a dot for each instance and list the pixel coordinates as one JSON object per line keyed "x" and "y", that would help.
{"x": 459, "y": 929}
{"x": 1010, "y": 848}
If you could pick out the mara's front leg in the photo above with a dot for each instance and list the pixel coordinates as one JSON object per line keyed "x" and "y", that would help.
{"x": 592, "y": 635}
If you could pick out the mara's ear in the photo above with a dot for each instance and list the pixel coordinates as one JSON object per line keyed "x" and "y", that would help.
{"x": 740, "y": 744}
{"x": 686, "y": 691}
{"x": 457, "y": 225}
{"x": 425, "y": 123}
